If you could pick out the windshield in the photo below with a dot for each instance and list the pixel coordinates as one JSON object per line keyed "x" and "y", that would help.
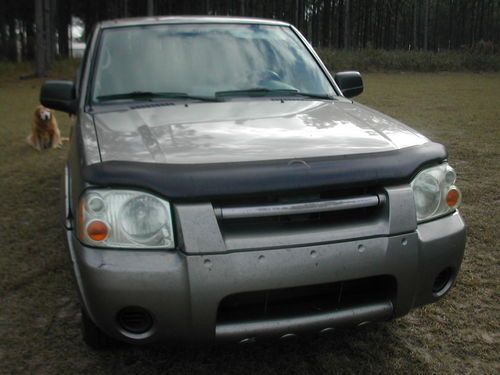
{"x": 205, "y": 61}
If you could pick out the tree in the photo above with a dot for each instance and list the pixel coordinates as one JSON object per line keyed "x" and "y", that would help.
{"x": 426, "y": 24}
{"x": 389, "y": 24}
{"x": 40, "y": 43}
{"x": 63, "y": 22}
{"x": 415, "y": 23}
{"x": 347, "y": 24}
{"x": 150, "y": 8}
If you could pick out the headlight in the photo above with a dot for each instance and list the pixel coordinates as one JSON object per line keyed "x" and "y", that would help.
{"x": 435, "y": 192}
{"x": 124, "y": 218}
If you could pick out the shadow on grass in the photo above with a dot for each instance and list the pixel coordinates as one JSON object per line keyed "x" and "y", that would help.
{"x": 365, "y": 350}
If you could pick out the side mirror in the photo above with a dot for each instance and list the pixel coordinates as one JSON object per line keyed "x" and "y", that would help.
{"x": 350, "y": 83}
{"x": 59, "y": 95}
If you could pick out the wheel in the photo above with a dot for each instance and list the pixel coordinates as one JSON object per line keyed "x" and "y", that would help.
{"x": 93, "y": 336}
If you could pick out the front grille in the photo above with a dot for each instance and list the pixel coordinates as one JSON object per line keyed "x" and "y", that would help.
{"x": 305, "y": 300}
{"x": 281, "y": 216}
{"x": 291, "y": 222}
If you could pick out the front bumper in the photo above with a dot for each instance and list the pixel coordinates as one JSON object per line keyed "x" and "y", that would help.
{"x": 182, "y": 292}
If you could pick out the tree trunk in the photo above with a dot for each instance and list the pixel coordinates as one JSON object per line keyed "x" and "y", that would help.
{"x": 325, "y": 30}
{"x": 12, "y": 44}
{"x": 481, "y": 21}
{"x": 125, "y": 8}
{"x": 450, "y": 25}
{"x": 415, "y": 24}
{"x": 296, "y": 13}
{"x": 395, "y": 43}
{"x": 347, "y": 27}
{"x": 63, "y": 21}
{"x": 3, "y": 36}
{"x": 151, "y": 8}
{"x": 435, "y": 32}
{"x": 315, "y": 26}
{"x": 366, "y": 25}
{"x": 46, "y": 33}
{"x": 40, "y": 45}
{"x": 3, "y": 41}
{"x": 426, "y": 24}
{"x": 24, "y": 40}
{"x": 51, "y": 31}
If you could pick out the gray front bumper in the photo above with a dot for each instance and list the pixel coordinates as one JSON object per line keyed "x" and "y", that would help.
{"x": 183, "y": 292}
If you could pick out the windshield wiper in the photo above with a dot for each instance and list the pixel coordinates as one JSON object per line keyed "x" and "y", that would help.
{"x": 257, "y": 91}
{"x": 263, "y": 91}
{"x": 315, "y": 96}
{"x": 148, "y": 95}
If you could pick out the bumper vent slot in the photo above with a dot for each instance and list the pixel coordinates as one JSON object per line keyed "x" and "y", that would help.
{"x": 306, "y": 300}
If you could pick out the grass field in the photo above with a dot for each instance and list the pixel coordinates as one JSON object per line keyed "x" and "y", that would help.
{"x": 39, "y": 309}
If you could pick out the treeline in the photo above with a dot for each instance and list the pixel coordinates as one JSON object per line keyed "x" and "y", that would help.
{"x": 342, "y": 24}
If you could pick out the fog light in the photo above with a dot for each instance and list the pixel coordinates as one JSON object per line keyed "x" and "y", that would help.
{"x": 134, "y": 319}
{"x": 442, "y": 282}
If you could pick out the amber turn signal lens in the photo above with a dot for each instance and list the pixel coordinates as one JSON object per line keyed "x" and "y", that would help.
{"x": 453, "y": 197}
{"x": 97, "y": 230}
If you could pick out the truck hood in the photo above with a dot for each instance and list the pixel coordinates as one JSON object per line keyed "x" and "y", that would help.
{"x": 240, "y": 131}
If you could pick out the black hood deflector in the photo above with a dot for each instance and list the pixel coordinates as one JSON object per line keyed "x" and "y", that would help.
{"x": 207, "y": 181}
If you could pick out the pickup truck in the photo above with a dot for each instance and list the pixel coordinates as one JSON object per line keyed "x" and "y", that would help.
{"x": 221, "y": 185}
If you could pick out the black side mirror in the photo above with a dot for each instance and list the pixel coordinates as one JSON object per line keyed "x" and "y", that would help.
{"x": 350, "y": 83}
{"x": 59, "y": 95}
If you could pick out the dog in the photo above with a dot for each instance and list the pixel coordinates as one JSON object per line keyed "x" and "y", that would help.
{"x": 44, "y": 130}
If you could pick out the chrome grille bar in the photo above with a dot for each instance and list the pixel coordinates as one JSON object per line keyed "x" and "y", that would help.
{"x": 348, "y": 203}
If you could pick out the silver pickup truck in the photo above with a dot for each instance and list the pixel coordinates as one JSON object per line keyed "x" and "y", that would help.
{"x": 221, "y": 185}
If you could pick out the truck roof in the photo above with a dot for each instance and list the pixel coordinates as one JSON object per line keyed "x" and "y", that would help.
{"x": 140, "y": 21}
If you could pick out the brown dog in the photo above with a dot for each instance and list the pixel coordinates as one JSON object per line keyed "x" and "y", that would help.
{"x": 44, "y": 130}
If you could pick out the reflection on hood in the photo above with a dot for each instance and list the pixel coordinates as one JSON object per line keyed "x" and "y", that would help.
{"x": 240, "y": 131}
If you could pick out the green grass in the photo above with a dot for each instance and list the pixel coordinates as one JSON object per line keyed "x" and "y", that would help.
{"x": 39, "y": 309}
